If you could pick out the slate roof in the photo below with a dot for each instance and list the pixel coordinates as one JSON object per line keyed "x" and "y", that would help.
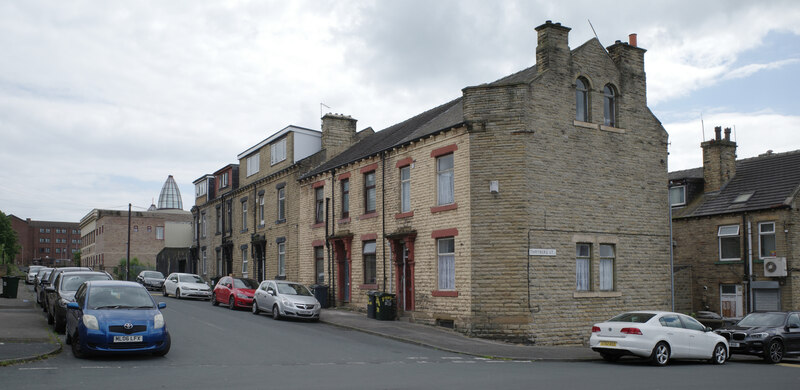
{"x": 773, "y": 180}
{"x": 694, "y": 173}
{"x": 440, "y": 118}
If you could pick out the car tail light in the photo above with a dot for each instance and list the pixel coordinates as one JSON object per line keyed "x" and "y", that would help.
{"x": 631, "y": 331}
{"x": 595, "y": 329}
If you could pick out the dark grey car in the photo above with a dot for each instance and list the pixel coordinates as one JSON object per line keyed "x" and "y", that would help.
{"x": 64, "y": 287}
{"x": 770, "y": 335}
{"x": 151, "y": 280}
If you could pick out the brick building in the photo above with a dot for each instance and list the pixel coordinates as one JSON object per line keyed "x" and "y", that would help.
{"x": 45, "y": 242}
{"x": 525, "y": 210}
{"x": 735, "y": 231}
{"x": 104, "y": 233}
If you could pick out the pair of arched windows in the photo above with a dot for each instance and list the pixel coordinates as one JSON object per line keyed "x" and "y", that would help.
{"x": 582, "y": 102}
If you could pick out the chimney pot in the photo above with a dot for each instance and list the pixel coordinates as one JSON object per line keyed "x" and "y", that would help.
{"x": 718, "y": 133}
{"x": 727, "y": 134}
{"x": 632, "y": 39}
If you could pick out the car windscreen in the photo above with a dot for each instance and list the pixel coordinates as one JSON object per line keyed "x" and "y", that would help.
{"x": 245, "y": 283}
{"x": 190, "y": 279}
{"x": 633, "y": 317}
{"x": 153, "y": 275}
{"x": 293, "y": 289}
{"x": 72, "y": 282}
{"x": 119, "y": 297}
{"x": 763, "y": 320}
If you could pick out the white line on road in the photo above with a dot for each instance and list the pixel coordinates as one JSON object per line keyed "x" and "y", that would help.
{"x": 37, "y": 368}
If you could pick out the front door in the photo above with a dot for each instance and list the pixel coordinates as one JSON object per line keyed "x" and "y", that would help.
{"x": 342, "y": 271}
{"x": 731, "y": 303}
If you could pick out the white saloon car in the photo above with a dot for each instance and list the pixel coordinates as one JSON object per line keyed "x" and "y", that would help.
{"x": 659, "y": 336}
{"x": 186, "y": 286}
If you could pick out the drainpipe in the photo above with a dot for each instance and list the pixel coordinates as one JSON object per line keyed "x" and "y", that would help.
{"x": 671, "y": 260}
{"x": 383, "y": 215}
{"x": 331, "y": 267}
{"x": 749, "y": 261}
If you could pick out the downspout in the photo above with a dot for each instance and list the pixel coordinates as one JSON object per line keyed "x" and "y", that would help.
{"x": 749, "y": 261}
{"x": 331, "y": 267}
{"x": 671, "y": 259}
{"x": 383, "y": 215}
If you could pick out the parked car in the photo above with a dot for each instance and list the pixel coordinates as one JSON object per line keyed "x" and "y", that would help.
{"x": 52, "y": 277}
{"x": 286, "y": 299}
{"x": 659, "y": 336}
{"x": 40, "y": 283}
{"x": 31, "y": 273}
{"x": 151, "y": 280}
{"x": 62, "y": 292}
{"x": 770, "y": 335}
{"x": 186, "y": 285}
{"x": 116, "y": 316}
{"x": 235, "y": 292}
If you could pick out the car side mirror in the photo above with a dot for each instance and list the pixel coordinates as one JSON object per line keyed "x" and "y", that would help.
{"x": 73, "y": 306}
{"x": 708, "y": 329}
{"x": 162, "y": 305}
{"x": 271, "y": 292}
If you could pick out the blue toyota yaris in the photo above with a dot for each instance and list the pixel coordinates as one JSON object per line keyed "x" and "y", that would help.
{"x": 117, "y": 317}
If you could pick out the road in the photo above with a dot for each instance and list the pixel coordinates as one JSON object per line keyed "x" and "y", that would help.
{"x": 214, "y": 347}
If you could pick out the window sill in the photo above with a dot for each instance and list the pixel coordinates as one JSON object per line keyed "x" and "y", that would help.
{"x": 612, "y": 129}
{"x": 723, "y": 262}
{"x": 585, "y": 125}
{"x": 368, "y": 215}
{"x": 318, "y": 225}
{"x": 596, "y": 294}
{"x": 404, "y": 215}
{"x": 280, "y": 221}
{"x": 243, "y": 231}
{"x": 442, "y": 293}
{"x": 344, "y": 220}
{"x": 373, "y": 286}
{"x": 446, "y": 207}
{"x": 262, "y": 225}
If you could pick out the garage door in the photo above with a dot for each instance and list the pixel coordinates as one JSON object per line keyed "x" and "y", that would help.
{"x": 767, "y": 299}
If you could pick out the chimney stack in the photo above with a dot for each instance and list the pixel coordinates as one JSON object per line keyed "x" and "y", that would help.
{"x": 338, "y": 133}
{"x": 632, "y": 40}
{"x": 552, "y": 48}
{"x": 719, "y": 160}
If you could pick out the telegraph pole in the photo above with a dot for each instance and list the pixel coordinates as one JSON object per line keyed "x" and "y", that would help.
{"x": 128, "y": 250}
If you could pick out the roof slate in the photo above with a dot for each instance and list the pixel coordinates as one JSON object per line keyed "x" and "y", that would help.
{"x": 773, "y": 179}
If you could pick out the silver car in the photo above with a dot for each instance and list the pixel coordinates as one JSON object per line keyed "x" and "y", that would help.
{"x": 286, "y": 299}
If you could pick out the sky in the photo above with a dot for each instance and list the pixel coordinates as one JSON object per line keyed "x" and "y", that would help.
{"x": 100, "y": 101}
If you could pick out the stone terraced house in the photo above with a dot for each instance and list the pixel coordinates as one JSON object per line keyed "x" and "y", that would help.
{"x": 735, "y": 231}
{"x": 524, "y": 210}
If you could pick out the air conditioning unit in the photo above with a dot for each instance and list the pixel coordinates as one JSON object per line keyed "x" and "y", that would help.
{"x": 775, "y": 267}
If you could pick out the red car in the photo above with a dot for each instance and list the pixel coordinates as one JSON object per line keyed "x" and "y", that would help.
{"x": 234, "y": 292}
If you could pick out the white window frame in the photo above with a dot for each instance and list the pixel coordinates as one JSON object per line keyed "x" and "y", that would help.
{"x": 203, "y": 224}
{"x": 244, "y": 215}
{"x": 282, "y": 258}
{"x": 200, "y": 188}
{"x": 278, "y": 151}
{"x": 682, "y": 188}
{"x": 607, "y": 259}
{"x": 726, "y": 232}
{"x": 261, "y": 208}
{"x": 281, "y": 204}
{"x": 223, "y": 180}
{"x": 253, "y": 164}
{"x": 405, "y": 189}
{"x": 368, "y": 252}
{"x": 447, "y": 265}
{"x": 445, "y": 181}
{"x": 205, "y": 261}
{"x": 159, "y": 232}
{"x": 762, "y": 234}
{"x": 244, "y": 262}
{"x": 583, "y": 267}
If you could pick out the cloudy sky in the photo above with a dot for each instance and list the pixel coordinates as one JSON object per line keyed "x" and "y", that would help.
{"x": 101, "y": 100}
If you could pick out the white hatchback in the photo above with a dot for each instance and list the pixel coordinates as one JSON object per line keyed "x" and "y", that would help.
{"x": 659, "y": 336}
{"x": 186, "y": 286}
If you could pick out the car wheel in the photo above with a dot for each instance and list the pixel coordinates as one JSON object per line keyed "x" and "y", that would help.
{"x": 167, "y": 345}
{"x": 609, "y": 357}
{"x": 178, "y": 293}
{"x": 77, "y": 348}
{"x": 276, "y": 314}
{"x": 660, "y": 355}
{"x": 231, "y": 303}
{"x": 214, "y": 299}
{"x": 164, "y": 291}
{"x": 720, "y": 354}
{"x": 255, "y": 307}
{"x": 774, "y": 352}
{"x": 60, "y": 326}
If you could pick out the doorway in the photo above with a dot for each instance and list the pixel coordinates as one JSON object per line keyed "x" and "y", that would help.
{"x": 731, "y": 301}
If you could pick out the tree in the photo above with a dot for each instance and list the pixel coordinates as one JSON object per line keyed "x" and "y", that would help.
{"x": 136, "y": 267}
{"x": 76, "y": 257}
{"x": 9, "y": 244}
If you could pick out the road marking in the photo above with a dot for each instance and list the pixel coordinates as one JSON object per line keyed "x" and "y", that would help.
{"x": 795, "y": 365}
{"x": 99, "y": 367}
{"x": 38, "y": 368}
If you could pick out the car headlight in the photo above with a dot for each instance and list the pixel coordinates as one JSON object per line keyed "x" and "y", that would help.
{"x": 241, "y": 296}
{"x": 158, "y": 321}
{"x": 90, "y": 322}
{"x": 761, "y": 335}
{"x": 286, "y": 302}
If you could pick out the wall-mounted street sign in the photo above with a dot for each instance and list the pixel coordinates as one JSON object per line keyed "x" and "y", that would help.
{"x": 541, "y": 252}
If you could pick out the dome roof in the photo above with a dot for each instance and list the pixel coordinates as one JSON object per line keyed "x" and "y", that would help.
{"x": 170, "y": 197}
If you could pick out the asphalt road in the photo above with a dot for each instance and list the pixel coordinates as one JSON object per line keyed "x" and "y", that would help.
{"x": 213, "y": 347}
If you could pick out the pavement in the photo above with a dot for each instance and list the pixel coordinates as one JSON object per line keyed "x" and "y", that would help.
{"x": 26, "y": 336}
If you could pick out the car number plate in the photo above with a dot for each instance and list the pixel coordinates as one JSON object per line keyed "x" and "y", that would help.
{"x": 127, "y": 339}
{"x": 305, "y": 312}
{"x": 608, "y": 343}
{"x": 734, "y": 345}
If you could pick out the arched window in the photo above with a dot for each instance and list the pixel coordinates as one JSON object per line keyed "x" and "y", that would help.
{"x": 610, "y": 105}
{"x": 581, "y": 100}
